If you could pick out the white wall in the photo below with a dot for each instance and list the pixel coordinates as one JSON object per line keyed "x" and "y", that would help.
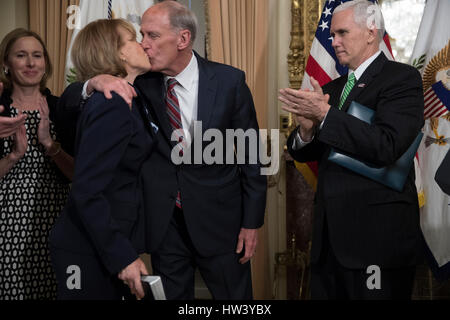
{"x": 279, "y": 40}
{"x": 13, "y": 14}
{"x": 199, "y": 9}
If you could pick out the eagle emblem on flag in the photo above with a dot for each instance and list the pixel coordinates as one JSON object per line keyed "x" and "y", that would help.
{"x": 436, "y": 82}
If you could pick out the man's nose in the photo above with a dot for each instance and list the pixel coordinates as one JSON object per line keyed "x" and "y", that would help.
{"x": 334, "y": 42}
{"x": 145, "y": 43}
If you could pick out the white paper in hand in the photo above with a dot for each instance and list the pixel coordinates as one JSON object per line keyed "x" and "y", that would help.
{"x": 156, "y": 286}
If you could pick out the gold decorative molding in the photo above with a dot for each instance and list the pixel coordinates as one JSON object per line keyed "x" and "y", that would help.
{"x": 305, "y": 17}
{"x": 296, "y": 57}
{"x": 294, "y": 258}
{"x": 313, "y": 12}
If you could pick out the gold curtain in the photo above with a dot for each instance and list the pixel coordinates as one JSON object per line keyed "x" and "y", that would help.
{"x": 48, "y": 18}
{"x": 238, "y": 36}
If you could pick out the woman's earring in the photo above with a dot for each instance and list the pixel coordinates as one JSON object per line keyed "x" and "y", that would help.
{"x": 5, "y": 69}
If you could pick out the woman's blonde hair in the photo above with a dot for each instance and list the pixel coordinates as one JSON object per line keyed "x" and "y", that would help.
{"x": 96, "y": 49}
{"x": 5, "y": 49}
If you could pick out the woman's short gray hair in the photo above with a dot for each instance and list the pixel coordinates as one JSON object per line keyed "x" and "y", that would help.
{"x": 181, "y": 18}
{"x": 366, "y": 14}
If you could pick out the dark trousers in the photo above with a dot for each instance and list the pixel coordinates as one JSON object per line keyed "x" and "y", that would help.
{"x": 95, "y": 282}
{"x": 176, "y": 261}
{"x": 332, "y": 281}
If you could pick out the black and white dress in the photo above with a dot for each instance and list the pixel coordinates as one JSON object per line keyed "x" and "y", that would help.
{"x": 32, "y": 195}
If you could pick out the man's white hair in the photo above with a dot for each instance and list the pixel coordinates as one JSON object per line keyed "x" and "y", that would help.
{"x": 181, "y": 17}
{"x": 366, "y": 14}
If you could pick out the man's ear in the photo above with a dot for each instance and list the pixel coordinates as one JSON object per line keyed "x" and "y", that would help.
{"x": 372, "y": 35}
{"x": 184, "y": 39}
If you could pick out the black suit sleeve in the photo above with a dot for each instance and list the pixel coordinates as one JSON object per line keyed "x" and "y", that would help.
{"x": 253, "y": 184}
{"x": 66, "y": 115}
{"x": 106, "y": 130}
{"x": 311, "y": 152}
{"x": 442, "y": 176}
{"x": 398, "y": 120}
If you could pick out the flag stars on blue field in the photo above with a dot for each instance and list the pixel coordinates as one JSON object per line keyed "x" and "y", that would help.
{"x": 327, "y": 12}
{"x": 324, "y": 25}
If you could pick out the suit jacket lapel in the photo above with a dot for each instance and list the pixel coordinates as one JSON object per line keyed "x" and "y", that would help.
{"x": 153, "y": 88}
{"x": 207, "y": 89}
{"x": 364, "y": 81}
{"x": 336, "y": 90}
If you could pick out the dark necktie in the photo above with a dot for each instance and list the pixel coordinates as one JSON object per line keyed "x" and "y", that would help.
{"x": 173, "y": 110}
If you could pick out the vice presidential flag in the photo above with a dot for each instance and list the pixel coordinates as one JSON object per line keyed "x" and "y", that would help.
{"x": 88, "y": 11}
{"x": 431, "y": 56}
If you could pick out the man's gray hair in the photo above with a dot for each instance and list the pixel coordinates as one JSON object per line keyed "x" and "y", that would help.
{"x": 366, "y": 14}
{"x": 181, "y": 18}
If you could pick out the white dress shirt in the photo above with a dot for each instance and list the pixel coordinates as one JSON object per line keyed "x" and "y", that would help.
{"x": 187, "y": 94}
{"x": 298, "y": 142}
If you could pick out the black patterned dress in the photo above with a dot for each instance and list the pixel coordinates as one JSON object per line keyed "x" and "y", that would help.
{"x": 32, "y": 195}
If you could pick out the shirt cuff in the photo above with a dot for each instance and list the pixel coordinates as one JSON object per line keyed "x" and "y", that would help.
{"x": 84, "y": 94}
{"x": 323, "y": 121}
{"x": 299, "y": 143}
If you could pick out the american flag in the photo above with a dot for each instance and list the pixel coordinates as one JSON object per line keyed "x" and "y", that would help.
{"x": 322, "y": 63}
{"x": 324, "y": 66}
{"x": 436, "y": 100}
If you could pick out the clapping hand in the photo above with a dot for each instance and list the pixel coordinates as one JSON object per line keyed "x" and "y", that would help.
{"x": 8, "y": 125}
{"x": 44, "y": 125}
{"x": 308, "y": 107}
{"x": 20, "y": 143}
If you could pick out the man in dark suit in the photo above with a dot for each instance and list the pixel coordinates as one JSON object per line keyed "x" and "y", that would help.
{"x": 201, "y": 214}
{"x": 366, "y": 236}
